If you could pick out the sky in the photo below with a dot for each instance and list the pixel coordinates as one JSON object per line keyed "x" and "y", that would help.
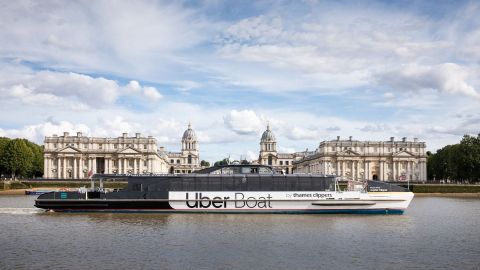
{"x": 313, "y": 70}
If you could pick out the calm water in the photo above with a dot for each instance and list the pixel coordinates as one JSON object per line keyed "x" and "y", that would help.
{"x": 434, "y": 233}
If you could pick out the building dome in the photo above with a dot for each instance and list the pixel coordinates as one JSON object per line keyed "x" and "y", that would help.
{"x": 189, "y": 134}
{"x": 267, "y": 135}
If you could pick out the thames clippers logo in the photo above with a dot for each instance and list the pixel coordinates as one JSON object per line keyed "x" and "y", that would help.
{"x": 239, "y": 200}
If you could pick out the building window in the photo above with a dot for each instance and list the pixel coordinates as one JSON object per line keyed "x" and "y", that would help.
{"x": 115, "y": 146}
{"x": 85, "y": 146}
{"x": 172, "y": 161}
{"x": 281, "y": 162}
{"x": 145, "y": 163}
{"x": 100, "y": 146}
{"x": 286, "y": 162}
{"x": 115, "y": 163}
{"x": 189, "y": 159}
{"x": 178, "y": 161}
{"x": 54, "y": 145}
{"x": 144, "y": 146}
{"x": 270, "y": 160}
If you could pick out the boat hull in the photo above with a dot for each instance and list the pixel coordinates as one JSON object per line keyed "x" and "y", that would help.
{"x": 243, "y": 202}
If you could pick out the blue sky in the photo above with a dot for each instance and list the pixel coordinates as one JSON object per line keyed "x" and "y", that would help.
{"x": 313, "y": 69}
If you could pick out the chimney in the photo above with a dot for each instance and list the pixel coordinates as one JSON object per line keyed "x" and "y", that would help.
{"x": 137, "y": 135}
{"x": 162, "y": 149}
{"x": 65, "y": 134}
{"x": 338, "y": 138}
{"x": 125, "y": 135}
{"x": 55, "y": 135}
{"x": 404, "y": 139}
{"x": 79, "y": 134}
{"x": 392, "y": 139}
{"x": 350, "y": 138}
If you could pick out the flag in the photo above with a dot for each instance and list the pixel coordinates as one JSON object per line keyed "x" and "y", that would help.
{"x": 90, "y": 173}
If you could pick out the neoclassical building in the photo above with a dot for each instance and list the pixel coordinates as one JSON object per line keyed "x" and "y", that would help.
{"x": 383, "y": 160}
{"x": 281, "y": 162}
{"x": 188, "y": 159}
{"x": 74, "y": 156}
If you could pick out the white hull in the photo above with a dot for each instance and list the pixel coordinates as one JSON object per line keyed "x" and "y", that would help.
{"x": 291, "y": 202}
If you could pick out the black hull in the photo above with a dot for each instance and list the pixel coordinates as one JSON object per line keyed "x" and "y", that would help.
{"x": 103, "y": 205}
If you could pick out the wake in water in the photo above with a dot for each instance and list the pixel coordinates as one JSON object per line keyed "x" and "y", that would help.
{"x": 21, "y": 211}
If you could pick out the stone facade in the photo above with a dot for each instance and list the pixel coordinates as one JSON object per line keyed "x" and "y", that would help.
{"x": 281, "y": 162}
{"x": 383, "y": 160}
{"x": 73, "y": 157}
{"x": 188, "y": 160}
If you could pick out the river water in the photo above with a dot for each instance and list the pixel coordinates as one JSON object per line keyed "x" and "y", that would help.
{"x": 434, "y": 233}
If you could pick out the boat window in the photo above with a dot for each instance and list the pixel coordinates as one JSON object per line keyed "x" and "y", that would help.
{"x": 264, "y": 170}
{"x": 202, "y": 184}
{"x": 265, "y": 183}
{"x": 246, "y": 170}
{"x": 304, "y": 184}
{"x": 137, "y": 187}
{"x": 292, "y": 183}
{"x": 175, "y": 184}
{"x": 215, "y": 183}
{"x": 319, "y": 184}
{"x": 253, "y": 183}
{"x": 228, "y": 183}
{"x": 279, "y": 183}
{"x": 189, "y": 184}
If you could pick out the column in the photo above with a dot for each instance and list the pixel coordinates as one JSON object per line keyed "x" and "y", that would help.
{"x": 80, "y": 167}
{"x": 394, "y": 170}
{"x": 58, "y": 167}
{"x": 64, "y": 169}
{"x": 149, "y": 165}
{"x": 45, "y": 167}
{"x": 94, "y": 165}
{"x": 381, "y": 177}
{"x": 344, "y": 170}
{"x": 338, "y": 168}
{"x": 365, "y": 171}
{"x": 119, "y": 165}
{"x": 124, "y": 165}
{"x": 135, "y": 165}
{"x": 368, "y": 170}
{"x": 74, "y": 171}
{"x": 89, "y": 164}
{"x": 354, "y": 170}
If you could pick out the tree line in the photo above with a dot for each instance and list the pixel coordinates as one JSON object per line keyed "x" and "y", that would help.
{"x": 458, "y": 162}
{"x": 20, "y": 158}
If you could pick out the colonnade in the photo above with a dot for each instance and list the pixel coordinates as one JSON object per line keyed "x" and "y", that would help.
{"x": 77, "y": 167}
{"x": 393, "y": 170}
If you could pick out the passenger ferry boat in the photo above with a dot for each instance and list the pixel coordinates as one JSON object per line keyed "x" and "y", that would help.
{"x": 232, "y": 189}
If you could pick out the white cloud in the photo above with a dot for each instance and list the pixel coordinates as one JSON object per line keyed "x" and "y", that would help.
{"x": 77, "y": 91}
{"x": 447, "y": 78}
{"x": 243, "y": 122}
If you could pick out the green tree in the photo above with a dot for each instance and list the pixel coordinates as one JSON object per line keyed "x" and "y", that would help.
{"x": 204, "y": 163}
{"x": 245, "y": 162}
{"x": 17, "y": 158}
{"x": 222, "y": 162}
{"x": 37, "y": 162}
{"x": 3, "y": 142}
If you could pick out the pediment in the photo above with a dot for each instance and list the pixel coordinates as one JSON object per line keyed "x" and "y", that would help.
{"x": 403, "y": 153}
{"x": 69, "y": 150}
{"x": 128, "y": 150}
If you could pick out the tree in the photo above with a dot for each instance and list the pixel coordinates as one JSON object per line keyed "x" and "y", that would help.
{"x": 17, "y": 158}
{"x": 3, "y": 142}
{"x": 222, "y": 162}
{"x": 204, "y": 163}
{"x": 37, "y": 163}
{"x": 458, "y": 161}
{"x": 245, "y": 162}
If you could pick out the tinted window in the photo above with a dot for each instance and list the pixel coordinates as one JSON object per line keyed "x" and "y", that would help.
{"x": 215, "y": 183}
{"x": 265, "y": 183}
{"x": 176, "y": 184}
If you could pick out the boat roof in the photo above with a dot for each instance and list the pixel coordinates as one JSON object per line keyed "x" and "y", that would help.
{"x": 215, "y": 168}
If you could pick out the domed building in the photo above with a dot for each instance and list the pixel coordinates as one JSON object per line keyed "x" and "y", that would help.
{"x": 281, "y": 162}
{"x": 188, "y": 159}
